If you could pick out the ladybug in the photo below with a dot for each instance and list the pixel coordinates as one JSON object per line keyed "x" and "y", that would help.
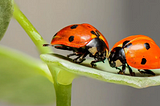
{"x": 82, "y": 39}
{"x": 137, "y": 51}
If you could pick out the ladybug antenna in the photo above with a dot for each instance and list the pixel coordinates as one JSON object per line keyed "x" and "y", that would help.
{"x": 47, "y": 45}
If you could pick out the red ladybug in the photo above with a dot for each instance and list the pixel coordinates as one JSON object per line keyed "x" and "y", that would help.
{"x": 82, "y": 39}
{"x": 138, "y": 51}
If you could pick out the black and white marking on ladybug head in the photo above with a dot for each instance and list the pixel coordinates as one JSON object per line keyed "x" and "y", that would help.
{"x": 117, "y": 57}
{"x": 97, "y": 48}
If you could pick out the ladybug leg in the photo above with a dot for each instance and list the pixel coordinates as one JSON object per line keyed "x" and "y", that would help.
{"x": 93, "y": 63}
{"x": 118, "y": 69}
{"x": 146, "y": 72}
{"x": 80, "y": 58}
{"x": 142, "y": 72}
{"x": 76, "y": 59}
{"x": 123, "y": 69}
{"x": 62, "y": 47}
{"x": 149, "y": 72}
{"x": 71, "y": 54}
{"x": 96, "y": 59}
{"x": 76, "y": 54}
{"x": 130, "y": 71}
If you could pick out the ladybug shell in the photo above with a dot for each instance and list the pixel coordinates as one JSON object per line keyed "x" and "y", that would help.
{"x": 121, "y": 42}
{"x": 77, "y": 35}
{"x": 142, "y": 53}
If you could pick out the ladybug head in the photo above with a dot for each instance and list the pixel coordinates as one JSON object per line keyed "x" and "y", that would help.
{"x": 97, "y": 49}
{"x": 117, "y": 57}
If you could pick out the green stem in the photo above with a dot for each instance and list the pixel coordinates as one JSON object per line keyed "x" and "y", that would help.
{"x": 30, "y": 30}
{"x": 63, "y": 92}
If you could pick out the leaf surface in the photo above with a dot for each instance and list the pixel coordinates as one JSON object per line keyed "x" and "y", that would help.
{"x": 102, "y": 72}
{"x": 24, "y": 80}
{"x": 6, "y": 12}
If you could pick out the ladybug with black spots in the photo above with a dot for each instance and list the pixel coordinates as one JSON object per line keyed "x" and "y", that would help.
{"x": 82, "y": 39}
{"x": 137, "y": 51}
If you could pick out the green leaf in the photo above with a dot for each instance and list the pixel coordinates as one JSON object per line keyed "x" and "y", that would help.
{"x": 24, "y": 80}
{"x": 102, "y": 72}
{"x": 6, "y": 11}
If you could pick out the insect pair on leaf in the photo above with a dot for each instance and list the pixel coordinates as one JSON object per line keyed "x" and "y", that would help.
{"x": 138, "y": 51}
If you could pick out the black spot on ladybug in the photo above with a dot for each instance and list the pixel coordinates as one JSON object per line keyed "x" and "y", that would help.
{"x": 143, "y": 61}
{"x": 125, "y": 42}
{"x": 93, "y": 33}
{"x": 147, "y": 46}
{"x": 74, "y": 26}
{"x": 71, "y": 38}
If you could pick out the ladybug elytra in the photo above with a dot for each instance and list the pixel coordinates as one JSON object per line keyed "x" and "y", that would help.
{"x": 138, "y": 51}
{"x": 83, "y": 40}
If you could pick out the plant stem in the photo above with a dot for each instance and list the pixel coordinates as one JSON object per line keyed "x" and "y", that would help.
{"x": 63, "y": 94}
{"x": 30, "y": 30}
